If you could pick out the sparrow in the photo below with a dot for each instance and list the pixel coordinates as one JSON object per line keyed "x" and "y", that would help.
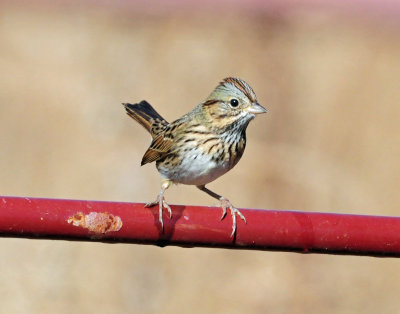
{"x": 202, "y": 145}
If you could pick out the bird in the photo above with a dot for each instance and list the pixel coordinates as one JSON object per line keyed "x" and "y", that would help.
{"x": 203, "y": 144}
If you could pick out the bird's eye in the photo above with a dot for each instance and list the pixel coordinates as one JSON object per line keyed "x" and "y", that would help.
{"x": 234, "y": 102}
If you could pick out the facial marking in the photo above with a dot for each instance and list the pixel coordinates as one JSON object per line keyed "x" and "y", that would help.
{"x": 242, "y": 86}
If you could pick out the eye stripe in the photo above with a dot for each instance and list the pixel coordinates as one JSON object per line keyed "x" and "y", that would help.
{"x": 210, "y": 102}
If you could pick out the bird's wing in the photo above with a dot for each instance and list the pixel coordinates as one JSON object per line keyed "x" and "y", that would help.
{"x": 158, "y": 148}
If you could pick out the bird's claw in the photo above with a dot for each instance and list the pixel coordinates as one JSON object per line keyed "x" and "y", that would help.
{"x": 223, "y": 211}
{"x": 168, "y": 208}
{"x": 234, "y": 211}
{"x": 161, "y": 204}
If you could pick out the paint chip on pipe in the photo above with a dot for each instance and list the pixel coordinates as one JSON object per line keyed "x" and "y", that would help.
{"x": 98, "y": 223}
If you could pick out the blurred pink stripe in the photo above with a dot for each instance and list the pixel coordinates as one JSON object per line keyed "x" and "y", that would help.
{"x": 373, "y": 6}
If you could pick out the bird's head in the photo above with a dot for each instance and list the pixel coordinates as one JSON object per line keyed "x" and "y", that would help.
{"x": 232, "y": 101}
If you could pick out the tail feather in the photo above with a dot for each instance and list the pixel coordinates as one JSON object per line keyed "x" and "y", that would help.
{"x": 145, "y": 114}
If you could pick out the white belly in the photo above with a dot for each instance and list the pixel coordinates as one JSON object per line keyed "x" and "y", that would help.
{"x": 195, "y": 169}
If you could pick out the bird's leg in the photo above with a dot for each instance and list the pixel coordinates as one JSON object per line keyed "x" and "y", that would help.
{"x": 225, "y": 203}
{"x": 161, "y": 202}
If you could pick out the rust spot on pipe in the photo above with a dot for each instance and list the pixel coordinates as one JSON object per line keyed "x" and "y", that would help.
{"x": 98, "y": 223}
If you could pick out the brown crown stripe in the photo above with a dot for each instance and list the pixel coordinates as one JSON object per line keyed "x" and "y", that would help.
{"x": 246, "y": 89}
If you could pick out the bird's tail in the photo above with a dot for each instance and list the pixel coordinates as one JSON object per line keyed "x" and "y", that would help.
{"x": 145, "y": 114}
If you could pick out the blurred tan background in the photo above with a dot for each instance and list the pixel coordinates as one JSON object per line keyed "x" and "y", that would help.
{"x": 330, "y": 142}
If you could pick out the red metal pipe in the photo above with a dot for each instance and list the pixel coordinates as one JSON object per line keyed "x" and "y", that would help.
{"x": 199, "y": 226}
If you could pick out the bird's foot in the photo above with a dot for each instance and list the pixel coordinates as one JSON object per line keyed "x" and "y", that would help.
{"x": 225, "y": 203}
{"x": 161, "y": 204}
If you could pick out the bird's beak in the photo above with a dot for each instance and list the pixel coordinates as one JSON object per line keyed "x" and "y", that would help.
{"x": 256, "y": 108}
